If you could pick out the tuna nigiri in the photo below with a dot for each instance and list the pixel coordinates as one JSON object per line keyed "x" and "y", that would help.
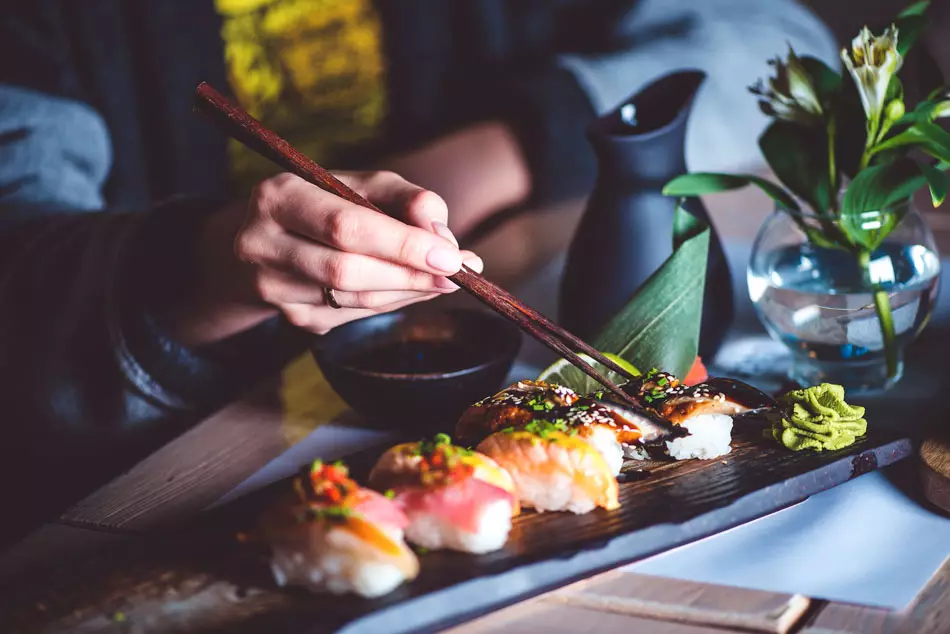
{"x": 332, "y": 535}
{"x": 553, "y": 469}
{"x": 453, "y": 497}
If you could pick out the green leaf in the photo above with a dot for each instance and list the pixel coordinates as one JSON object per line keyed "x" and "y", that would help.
{"x": 799, "y": 158}
{"x": 938, "y": 182}
{"x": 910, "y": 28}
{"x": 699, "y": 183}
{"x": 895, "y": 90}
{"x": 881, "y": 186}
{"x": 928, "y": 137}
{"x": 872, "y": 205}
{"x": 868, "y": 229}
{"x": 659, "y": 326}
{"x": 851, "y": 133}
{"x": 922, "y": 112}
{"x": 917, "y": 8}
{"x": 826, "y": 81}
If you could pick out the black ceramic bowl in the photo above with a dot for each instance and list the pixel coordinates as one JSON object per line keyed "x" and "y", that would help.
{"x": 418, "y": 370}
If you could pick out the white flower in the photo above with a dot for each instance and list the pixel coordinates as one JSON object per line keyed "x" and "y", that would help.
{"x": 872, "y": 63}
{"x": 790, "y": 95}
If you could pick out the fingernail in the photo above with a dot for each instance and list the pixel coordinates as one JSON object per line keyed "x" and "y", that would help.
{"x": 444, "y": 259}
{"x": 445, "y": 283}
{"x": 442, "y": 229}
{"x": 475, "y": 264}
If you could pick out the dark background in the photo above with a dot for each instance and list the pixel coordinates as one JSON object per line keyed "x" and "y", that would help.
{"x": 846, "y": 17}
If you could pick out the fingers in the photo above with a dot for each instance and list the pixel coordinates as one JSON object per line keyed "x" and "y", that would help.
{"x": 288, "y": 268}
{"x": 300, "y": 240}
{"x": 322, "y": 319}
{"x": 322, "y": 266}
{"x": 308, "y": 211}
{"x": 402, "y": 200}
{"x": 280, "y": 287}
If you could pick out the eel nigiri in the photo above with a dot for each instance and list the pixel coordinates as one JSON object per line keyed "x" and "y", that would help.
{"x": 606, "y": 425}
{"x": 553, "y": 469}
{"x": 454, "y": 498}
{"x": 333, "y": 535}
{"x": 514, "y": 406}
{"x": 704, "y": 412}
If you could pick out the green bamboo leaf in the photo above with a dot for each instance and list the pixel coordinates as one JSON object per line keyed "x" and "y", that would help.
{"x": 928, "y": 137}
{"x": 938, "y": 182}
{"x": 699, "y": 183}
{"x": 659, "y": 326}
{"x": 799, "y": 158}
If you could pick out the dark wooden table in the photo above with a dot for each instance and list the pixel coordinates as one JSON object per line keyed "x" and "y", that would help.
{"x": 195, "y": 470}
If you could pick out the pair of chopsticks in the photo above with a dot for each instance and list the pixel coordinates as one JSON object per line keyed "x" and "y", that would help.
{"x": 240, "y": 125}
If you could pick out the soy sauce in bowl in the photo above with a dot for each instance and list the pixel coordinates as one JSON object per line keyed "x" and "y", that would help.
{"x": 418, "y": 370}
{"x": 417, "y": 356}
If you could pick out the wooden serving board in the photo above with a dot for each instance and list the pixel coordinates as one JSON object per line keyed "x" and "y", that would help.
{"x": 198, "y": 578}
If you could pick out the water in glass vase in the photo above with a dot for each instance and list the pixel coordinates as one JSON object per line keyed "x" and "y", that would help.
{"x": 819, "y": 303}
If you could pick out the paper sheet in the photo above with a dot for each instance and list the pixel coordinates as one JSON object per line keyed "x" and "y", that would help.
{"x": 863, "y": 542}
{"x": 329, "y": 442}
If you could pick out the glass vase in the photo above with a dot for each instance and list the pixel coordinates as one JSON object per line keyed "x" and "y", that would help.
{"x": 823, "y": 298}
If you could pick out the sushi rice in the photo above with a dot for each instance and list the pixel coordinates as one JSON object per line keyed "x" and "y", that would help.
{"x": 710, "y": 436}
{"x": 453, "y": 497}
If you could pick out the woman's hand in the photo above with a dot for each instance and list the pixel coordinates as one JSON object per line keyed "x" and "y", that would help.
{"x": 294, "y": 240}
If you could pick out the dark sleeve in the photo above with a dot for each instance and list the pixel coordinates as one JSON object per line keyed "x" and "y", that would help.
{"x": 89, "y": 381}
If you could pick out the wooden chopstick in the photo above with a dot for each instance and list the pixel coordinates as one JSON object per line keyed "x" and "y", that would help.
{"x": 249, "y": 131}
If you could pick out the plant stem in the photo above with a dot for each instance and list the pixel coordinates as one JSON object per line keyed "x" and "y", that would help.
{"x": 869, "y": 144}
{"x": 832, "y": 169}
{"x": 882, "y": 306}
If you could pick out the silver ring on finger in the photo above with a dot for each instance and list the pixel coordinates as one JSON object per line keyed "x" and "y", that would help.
{"x": 330, "y": 298}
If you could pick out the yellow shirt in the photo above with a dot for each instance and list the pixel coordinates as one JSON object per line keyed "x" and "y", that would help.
{"x": 311, "y": 70}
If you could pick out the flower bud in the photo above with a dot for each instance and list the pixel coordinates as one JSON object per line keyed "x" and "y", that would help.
{"x": 942, "y": 109}
{"x": 894, "y": 111}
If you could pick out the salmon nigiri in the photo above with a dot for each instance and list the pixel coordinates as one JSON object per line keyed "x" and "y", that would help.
{"x": 454, "y": 497}
{"x": 552, "y": 468}
{"x": 334, "y": 535}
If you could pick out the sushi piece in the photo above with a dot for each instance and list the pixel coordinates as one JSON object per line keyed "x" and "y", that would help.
{"x": 715, "y": 396}
{"x": 553, "y": 469}
{"x": 704, "y": 412}
{"x": 710, "y": 436}
{"x": 332, "y": 535}
{"x": 514, "y": 406}
{"x": 454, "y": 498}
{"x": 528, "y": 402}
